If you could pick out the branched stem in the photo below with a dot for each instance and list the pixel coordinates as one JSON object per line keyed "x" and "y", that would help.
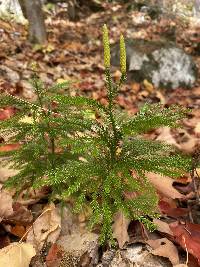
{"x": 114, "y": 139}
{"x": 46, "y": 114}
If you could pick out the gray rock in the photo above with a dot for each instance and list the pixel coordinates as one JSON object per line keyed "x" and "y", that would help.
{"x": 80, "y": 249}
{"x": 137, "y": 255}
{"x": 196, "y": 8}
{"x": 161, "y": 63}
{"x": 9, "y": 74}
{"x": 11, "y": 9}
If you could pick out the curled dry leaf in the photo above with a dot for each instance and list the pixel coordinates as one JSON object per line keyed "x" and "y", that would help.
{"x": 167, "y": 190}
{"x": 197, "y": 129}
{"x": 188, "y": 236}
{"x": 148, "y": 86}
{"x": 6, "y": 113}
{"x": 9, "y": 147}
{"x": 6, "y": 202}
{"x": 54, "y": 256}
{"x": 185, "y": 142}
{"x": 120, "y": 228}
{"x": 47, "y": 227}
{"x": 18, "y": 230}
{"x": 172, "y": 211}
{"x": 162, "y": 226}
{"x": 6, "y": 171}
{"x": 17, "y": 255}
{"x": 21, "y": 215}
{"x": 166, "y": 136}
{"x": 32, "y": 196}
{"x": 164, "y": 248}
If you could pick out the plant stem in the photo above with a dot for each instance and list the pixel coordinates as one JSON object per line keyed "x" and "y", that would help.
{"x": 114, "y": 140}
{"x": 46, "y": 114}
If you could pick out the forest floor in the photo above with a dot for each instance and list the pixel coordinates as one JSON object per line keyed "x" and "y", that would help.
{"x": 74, "y": 53}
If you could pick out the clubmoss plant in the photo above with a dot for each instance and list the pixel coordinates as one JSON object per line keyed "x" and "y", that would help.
{"x": 115, "y": 158}
{"x": 101, "y": 161}
{"x": 38, "y": 128}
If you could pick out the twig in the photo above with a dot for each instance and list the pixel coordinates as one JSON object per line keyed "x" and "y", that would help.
{"x": 195, "y": 162}
{"x": 33, "y": 225}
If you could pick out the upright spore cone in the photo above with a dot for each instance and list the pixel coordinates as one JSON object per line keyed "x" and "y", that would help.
{"x": 122, "y": 54}
{"x": 106, "y": 46}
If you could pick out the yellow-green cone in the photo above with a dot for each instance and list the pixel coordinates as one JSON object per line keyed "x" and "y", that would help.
{"x": 122, "y": 54}
{"x": 106, "y": 46}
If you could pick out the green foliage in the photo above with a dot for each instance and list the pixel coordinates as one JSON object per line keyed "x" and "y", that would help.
{"x": 99, "y": 163}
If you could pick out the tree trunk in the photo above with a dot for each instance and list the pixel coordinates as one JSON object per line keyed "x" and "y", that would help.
{"x": 72, "y": 10}
{"x": 32, "y": 10}
{"x": 23, "y": 8}
{"x": 196, "y": 8}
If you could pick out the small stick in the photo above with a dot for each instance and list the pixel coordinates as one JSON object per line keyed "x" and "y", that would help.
{"x": 33, "y": 224}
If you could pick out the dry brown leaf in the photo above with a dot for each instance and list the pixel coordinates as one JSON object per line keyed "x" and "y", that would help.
{"x": 161, "y": 97}
{"x": 166, "y": 136}
{"x": 18, "y": 230}
{"x": 20, "y": 215}
{"x": 17, "y": 255}
{"x": 6, "y": 202}
{"x": 120, "y": 228}
{"x": 164, "y": 248}
{"x": 197, "y": 128}
{"x": 135, "y": 87}
{"x": 164, "y": 185}
{"x": 162, "y": 226}
{"x": 6, "y": 172}
{"x": 148, "y": 86}
{"x": 181, "y": 265}
{"x": 186, "y": 142}
{"x": 47, "y": 227}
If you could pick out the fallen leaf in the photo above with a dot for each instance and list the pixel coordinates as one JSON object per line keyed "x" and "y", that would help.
{"x": 47, "y": 227}
{"x": 188, "y": 236}
{"x": 6, "y": 113}
{"x": 174, "y": 212}
{"x": 135, "y": 87}
{"x": 197, "y": 128}
{"x": 183, "y": 141}
{"x": 148, "y": 86}
{"x": 186, "y": 141}
{"x": 21, "y": 215}
{"x": 161, "y": 97}
{"x": 6, "y": 201}
{"x": 162, "y": 227}
{"x": 4, "y": 241}
{"x": 18, "y": 230}
{"x": 166, "y": 136}
{"x": 17, "y": 255}
{"x": 120, "y": 228}
{"x": 6, "y": 170}
{"x": 164, "y": 185}
{"x": 54, "y": 256}
{"x": 164, "y": 248}
{"x": 9, "y": 147}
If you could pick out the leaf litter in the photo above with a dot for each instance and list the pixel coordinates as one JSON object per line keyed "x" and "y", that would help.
{"x": 72, "y": 55}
